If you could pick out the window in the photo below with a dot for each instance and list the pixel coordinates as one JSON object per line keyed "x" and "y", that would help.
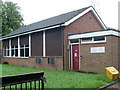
{"x": 14, "y": 51}
{"x": 86, "y": 40}
{"x": 6, "y": 51}
{"x": 38, "y": 60}
{"x": 24, "y": 51}
{"x": 51, "y": 60}
{"x": 74, "y": 41}
{"x": 16, "y": 47}
{"x": 99, "y": 39}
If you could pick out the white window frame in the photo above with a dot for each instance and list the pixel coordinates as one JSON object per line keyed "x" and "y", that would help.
{"x": 102, "y": 41}
{"x": 24, "y": 47}
{"x": 86, "y": 41}
{"x": 70, "y": 54}
{"x": 14, "y": 48}
{"x": 6, "y": 50}
{"x": 9, "y": 49}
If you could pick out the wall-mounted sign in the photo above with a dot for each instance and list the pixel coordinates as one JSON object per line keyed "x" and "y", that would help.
{"x": 97, "y": 49}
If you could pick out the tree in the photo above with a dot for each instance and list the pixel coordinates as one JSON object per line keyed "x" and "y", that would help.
{"x": 11, "y": 17}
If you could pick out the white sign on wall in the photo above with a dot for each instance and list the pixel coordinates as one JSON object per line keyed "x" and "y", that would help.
{"x": 97, "y": 49}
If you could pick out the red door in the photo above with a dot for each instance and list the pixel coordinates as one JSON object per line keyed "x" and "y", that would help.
{"x": 75, "y": 57}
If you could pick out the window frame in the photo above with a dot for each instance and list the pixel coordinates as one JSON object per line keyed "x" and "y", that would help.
{"x": 101, "y": 41}
{"x": 93, "y": 41}
{"x": 86, "y": 41}
{"x": 73, "y": 41}
{"x": 24, "y": 47}
{"x": 6, "y": 51}
{"x": 14, "y": 51}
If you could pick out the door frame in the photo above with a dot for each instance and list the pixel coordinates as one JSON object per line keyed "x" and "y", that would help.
{"x": 70, "y": 54}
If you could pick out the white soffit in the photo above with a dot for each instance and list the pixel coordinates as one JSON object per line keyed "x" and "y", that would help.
{"x": 94, "y": 34}
{"x": 84, "y": 12}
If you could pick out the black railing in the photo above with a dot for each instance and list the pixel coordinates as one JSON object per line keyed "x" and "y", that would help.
{"x": 25, "y": 81}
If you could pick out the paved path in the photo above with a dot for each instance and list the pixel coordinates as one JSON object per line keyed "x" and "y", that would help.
{"x": 116, "y": 86}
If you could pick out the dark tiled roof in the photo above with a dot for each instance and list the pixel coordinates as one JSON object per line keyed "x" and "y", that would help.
{"x": 57, "y": 20}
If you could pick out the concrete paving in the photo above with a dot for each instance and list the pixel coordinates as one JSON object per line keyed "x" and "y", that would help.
{"x": 115, "y": 86}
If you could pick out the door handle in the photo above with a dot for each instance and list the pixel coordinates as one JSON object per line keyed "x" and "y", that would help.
{"x": 81, "y": 57}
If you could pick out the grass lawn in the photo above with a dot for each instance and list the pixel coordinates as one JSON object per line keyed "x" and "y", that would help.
{"x": 60, "y": 79}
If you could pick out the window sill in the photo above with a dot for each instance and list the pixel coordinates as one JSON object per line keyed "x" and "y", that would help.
{"x": 14, "y": 57}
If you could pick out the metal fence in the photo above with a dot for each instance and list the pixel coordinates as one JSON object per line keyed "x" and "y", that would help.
{"x": 25, "y": 81}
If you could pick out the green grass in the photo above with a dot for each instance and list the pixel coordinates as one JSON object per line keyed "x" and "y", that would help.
{"x": 60, "y": 79}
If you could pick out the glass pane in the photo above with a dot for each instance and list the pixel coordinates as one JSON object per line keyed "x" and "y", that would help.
{"x": 26, "y": 45}
{"x": 4, "y": 52}
{"x": 12, "y": 52}
{"x": 12, "y": 47}
{"x": 86, "y": 39}
{"x": 16, "y": 46}
{"x": 22, "y": 52}
{"x": 22, "y": 46}
{"x": 99, "y": 38}
{"x": 16, "y": 52}
{"x": 74, "y": 41}
{"x": 7, "y": 52}
{"x": 26, "y": 52}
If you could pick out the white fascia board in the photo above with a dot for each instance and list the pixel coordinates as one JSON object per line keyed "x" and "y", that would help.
{"x": 115, "y": 33}
{"x": 83, "y": 13}
{"x": 31, "y": 32}
{"x": 94, "y": 34}
{"x": 99, "y": 19}
{"x": 78, "y": 16}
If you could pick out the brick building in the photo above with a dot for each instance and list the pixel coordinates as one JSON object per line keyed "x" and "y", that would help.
{"x": 68, "y": 41}
{"x": 97, "y": 50}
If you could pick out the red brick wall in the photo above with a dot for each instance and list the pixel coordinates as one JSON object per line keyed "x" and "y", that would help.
{"x": 119, "y": 54}
{"x": 86, "y": 23}
{"x": 97, "y": 62}
{"x": 31, "y": 62}
{"x": 116, "y": 52}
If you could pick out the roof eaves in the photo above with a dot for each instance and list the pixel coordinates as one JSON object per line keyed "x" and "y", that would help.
{"x": 94, "y": 34}
{"x": 94, "y": 31}
{"x": 32, "y": 31}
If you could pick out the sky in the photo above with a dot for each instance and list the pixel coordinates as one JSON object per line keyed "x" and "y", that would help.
{"x": 36, "y": 10}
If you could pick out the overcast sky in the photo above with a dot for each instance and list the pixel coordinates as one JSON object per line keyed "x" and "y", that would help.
{"x": 36, "y": 10}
